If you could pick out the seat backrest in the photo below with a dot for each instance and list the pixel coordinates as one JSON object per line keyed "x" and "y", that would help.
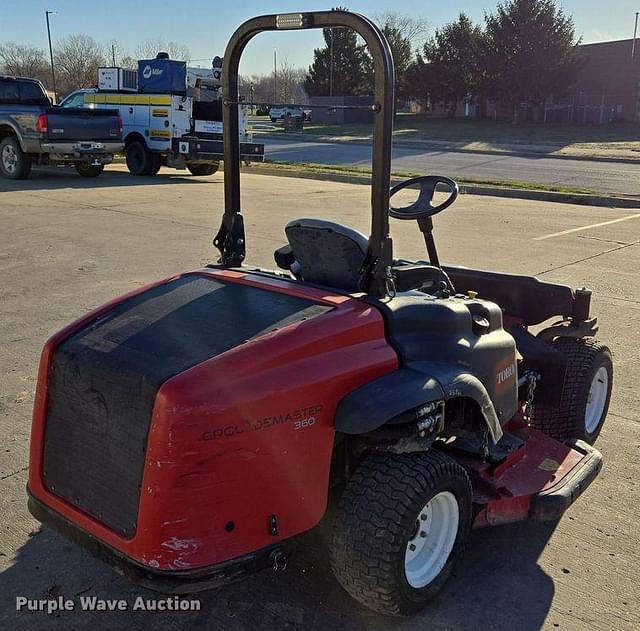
{"x": 328, "y": 253}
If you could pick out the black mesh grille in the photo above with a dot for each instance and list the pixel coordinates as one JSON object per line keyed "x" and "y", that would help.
{"x": 104, "y": 381}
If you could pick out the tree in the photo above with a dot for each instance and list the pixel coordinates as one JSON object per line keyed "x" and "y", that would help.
{"x": 413, "y": 28}
{"x": 126, "y": 61}
{"x": 453, "y": 61}
{"x": 77, "y": 59}
{"x": 24, "y": 61}
{"x": 149, "y": 48}
{"x": 289, "y": 79}
{"x": 340, "y": 68}
{"x": 288, "y": 85}
{"x": 402, "y": 59}
{"x": 123, "y": 58}
{"x": 530, "y": 55}
{"x": 420, "y": 79}
{"x": 404, "y": 34}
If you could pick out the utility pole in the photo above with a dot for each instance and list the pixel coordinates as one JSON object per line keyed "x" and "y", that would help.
{"x": 331, "y": 66}
{"x": 53, "y": 74}
{"x": 635, "y": 32}
{"x": 275, "y": 75}
{"x": 113, "y": 54}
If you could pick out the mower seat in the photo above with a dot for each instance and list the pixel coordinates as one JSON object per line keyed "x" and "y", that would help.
{"x": 328, "y": 253}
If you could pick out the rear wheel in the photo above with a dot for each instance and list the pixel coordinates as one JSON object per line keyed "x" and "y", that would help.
{"x": 141, "y": 161}
{"x": 586, "y": 393}
{"x": 14, "y": 163}
{"x": 85, "y": 169}
{"x": 398, "y": 529}
{"x": 203, "y": 169}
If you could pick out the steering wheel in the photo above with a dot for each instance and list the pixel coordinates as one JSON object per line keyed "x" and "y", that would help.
{"x": 423, "y": 207}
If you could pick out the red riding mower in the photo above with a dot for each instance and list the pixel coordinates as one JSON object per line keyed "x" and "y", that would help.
{"x": 184, "y": 432}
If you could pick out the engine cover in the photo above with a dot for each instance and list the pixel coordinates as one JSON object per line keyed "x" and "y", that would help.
{"x": 105, "y": 377}
{"x": 192, "y": 422}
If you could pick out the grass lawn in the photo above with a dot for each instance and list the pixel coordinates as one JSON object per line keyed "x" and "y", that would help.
{"x": 304, "y": 167}
{"x": 422, "y": 127}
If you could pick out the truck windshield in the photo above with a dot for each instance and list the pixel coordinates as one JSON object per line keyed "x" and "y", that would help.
{"x": 32, "y": 94}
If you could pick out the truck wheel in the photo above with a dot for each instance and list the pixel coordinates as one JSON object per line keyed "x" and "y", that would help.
{"x": 14, "y": 163}
{"x": 586, "y": 393}
{"x": 399, "y": 527}
{"x": 85, "y": 169}
{"x": 203, "y": 169}
{"x": 141, "y": 161}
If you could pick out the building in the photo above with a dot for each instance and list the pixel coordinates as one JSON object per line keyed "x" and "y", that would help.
{"x": 322, "y": 112}
{"x": 608, "y": 86}
{"x": 607, "y": 89}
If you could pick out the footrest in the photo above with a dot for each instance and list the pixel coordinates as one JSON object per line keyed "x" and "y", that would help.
{"x": 550, "y": 504}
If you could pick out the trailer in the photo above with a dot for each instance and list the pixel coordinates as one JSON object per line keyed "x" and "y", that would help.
{"x": 172, "y": 117}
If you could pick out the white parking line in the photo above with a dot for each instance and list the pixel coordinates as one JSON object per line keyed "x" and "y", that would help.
{"x": 581, "y": 228}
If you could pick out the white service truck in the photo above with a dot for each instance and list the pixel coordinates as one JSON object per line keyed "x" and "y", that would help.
{"x": 171, "y": 116}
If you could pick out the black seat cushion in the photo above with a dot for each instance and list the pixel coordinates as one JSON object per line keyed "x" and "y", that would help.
{"x": 328, "y": 253}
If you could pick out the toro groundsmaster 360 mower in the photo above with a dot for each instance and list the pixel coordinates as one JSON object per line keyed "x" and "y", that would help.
{"x": 184, "y": 432}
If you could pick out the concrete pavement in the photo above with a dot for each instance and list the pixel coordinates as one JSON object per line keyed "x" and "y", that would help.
{"x": 68, "y": 244}
{"x": 603, "y": 177}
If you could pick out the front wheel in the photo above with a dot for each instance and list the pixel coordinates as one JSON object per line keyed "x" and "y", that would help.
{"x": 586, "y": 393}
{"x": 85, "y": 169}
{"x": 203, "y": 169}
{"x": 14, "y": 163}
{"x": 398, "y": 529}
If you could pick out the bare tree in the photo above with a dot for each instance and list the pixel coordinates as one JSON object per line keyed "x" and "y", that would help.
{"x": 289, "y": 80}
{"x": 289, "y": 86}
{"x": 413, "y": 28}
{"x": 123, "y": 58}
{"x": 77, "y": 58}
{"x": 149, "y": 48}
{"x": 127, "y": 61}
{"x": 24, "y": 61}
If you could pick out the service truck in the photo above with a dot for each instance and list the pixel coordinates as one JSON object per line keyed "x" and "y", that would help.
{"x": 172, "y": 115}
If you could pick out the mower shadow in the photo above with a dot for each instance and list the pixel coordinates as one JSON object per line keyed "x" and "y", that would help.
{"x": 53, "y": 178}
{"x": 498, "y": 584}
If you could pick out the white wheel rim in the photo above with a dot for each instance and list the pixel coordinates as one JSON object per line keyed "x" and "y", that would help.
{"x": 596, "y": 400}
{"x": 9, "y": 158}
{"x": 430, "y": 546}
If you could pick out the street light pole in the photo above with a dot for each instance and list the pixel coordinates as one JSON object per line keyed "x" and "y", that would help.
{"x": 635, "y": 32}
{"x": 331, "y": 65}
{"x": 53, "y": 74}
{"x": 275, "y": 75}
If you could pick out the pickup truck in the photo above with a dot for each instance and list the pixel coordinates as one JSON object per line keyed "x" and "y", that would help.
{"x": 33, "y": 131}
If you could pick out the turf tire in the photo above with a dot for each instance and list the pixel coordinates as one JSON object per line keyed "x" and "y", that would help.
{"x": 584, "y": 358}
{"x": 376, "y": 518}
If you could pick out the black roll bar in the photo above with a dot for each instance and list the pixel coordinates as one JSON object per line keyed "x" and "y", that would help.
{"x": 230, "y": 239}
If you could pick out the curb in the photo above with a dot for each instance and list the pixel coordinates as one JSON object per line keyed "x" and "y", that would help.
{"x": 444, "y": 147}
{"x": 601, "y": 201}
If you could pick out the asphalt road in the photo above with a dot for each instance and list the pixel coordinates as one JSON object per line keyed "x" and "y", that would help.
{"x": 69, "y": 244}
{"x": 604, "y": 177}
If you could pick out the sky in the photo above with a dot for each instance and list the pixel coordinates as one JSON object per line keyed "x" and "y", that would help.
{"x": 204, "y": 26}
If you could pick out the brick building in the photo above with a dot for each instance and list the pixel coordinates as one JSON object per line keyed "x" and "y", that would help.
{"x": 607, "y": 89}
{"x": 609, "y": 82}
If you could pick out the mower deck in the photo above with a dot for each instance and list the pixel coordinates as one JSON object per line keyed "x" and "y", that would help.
{"x": 539, "y": 477}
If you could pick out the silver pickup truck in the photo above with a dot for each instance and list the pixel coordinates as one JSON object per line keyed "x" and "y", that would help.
{"x": 33, "y": 131}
